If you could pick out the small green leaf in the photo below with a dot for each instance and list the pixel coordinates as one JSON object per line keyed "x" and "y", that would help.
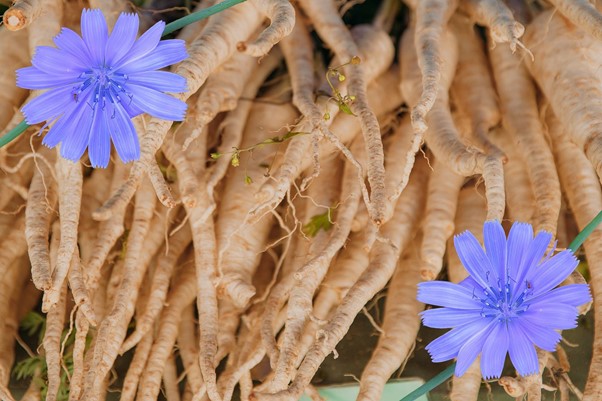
{"x": 33, "y": 323}
{"x": 344, "y": 107}
{"x": 216, "y": 155}
{"x": 292, "y": 134}
{"x": 248, "y": 180}
{"x": 28, "y": 366}
{"x": 317, "y": 223}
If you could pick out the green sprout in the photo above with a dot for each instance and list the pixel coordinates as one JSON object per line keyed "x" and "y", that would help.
{"x": 343, "y": 101}
{"x": 319, "y": 222}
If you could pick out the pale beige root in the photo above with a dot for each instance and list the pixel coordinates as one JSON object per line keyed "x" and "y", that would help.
{"x": 44, "y": 29}
{"x": 513, "y": 387}
{"x": 585, "y": 200}
{"x": 78, "y": 288}
{"x": 400, "y": 327}
{"x": 521, "y": 119}
{"x": 466, "y": 388}
{"x": 108, "y": 232}
{"x": 442, "y": 137}
{"x": 55, "y": 321}
{"x": 13, "y": 245}
{"x": 189, "y": 349}
{"x": 166, "y": 262}
{"x": 39, "y": 214}
{"x": 377, "y": 53}
{"x": 136, "y": 368}
{"x": 70, "y": 179}
{"x": 470, "y": 216}
{"x": 22, "y": 13}
{"x": 191, "y": 31}
{"x": 583, "y": 14}
{"x": 430, "y": 18}
{"x": 323, "y": 192}
{"x": 142, "y": 351}
{"x": 329, "y": 25}
{"x": 110, "y": 9}
{"x": 282, "y": 19}
{"x": 160, "y": 185}
{"x": 221, "y": 92}
{"x": 14, "y": 53}
{"x": 170, "y": 380}
{"x": 472, "y": 88}
{"x": 240, "y": 247}
{"x": 94, "y": 192}
{"x": 353, "y": 259}
{"x": 383, "y": 258}
{"x": 205, "y": 260}
{"x": 441, "y": 204}
{"x": 341, "y": 276}
{"x": 233, "y": 125}
{"x": 11, "y": 290}
{"x": 180, "y": 296}
{"x": 496, "y": 16}
{"x": 520, "y": 200}
{"x": 567, "y": 71}
{"x": 82, "y": 326}
{"x": 144, "y": 239}
{"x": 214, "y": 46}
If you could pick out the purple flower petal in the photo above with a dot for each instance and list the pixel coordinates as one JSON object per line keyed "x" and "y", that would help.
{"x": 544, "y": 337}
{"x": 95, "y": 33}
{"x": 519, "y": 239}
{"x": 445, "y": 318}
{"x": 122, "y": 37}
{"x": 472, "y": 348}
{"x": 33, "y": 78}
{"x": 552, "y": 315}
{"x": 447, "y": 346}
{"x": 553, "y": 272}
{"x": 55, "y": 62}
{"x": 166, "y": 53}
{"x": 157, "y": 104}
{"x": 474, "y": 259}
{"x": 162, "y": 81}
{"x": 531, "y": 258}
{"x": 572, "y": 294}
{"x": 75, "y": 142}
{"x": 443, "y": 293}
{"x": 494, "y": 353}
{"x": 144, "y": 45}
{"x": 48, "y": 106}
{"x": 495, "y": 248}
{"x": 99, "y": 146}
{"x": 124, "y": 136}
{"x": 522, "y": 352}
{"x": 68, "y": 123}
{"x": 71, "y": 43}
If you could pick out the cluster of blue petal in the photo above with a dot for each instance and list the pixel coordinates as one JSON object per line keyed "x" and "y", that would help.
{"x": 98, "y": 82}
{"x": 507, "y": 305}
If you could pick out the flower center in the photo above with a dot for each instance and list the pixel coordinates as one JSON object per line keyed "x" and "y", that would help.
{"x": 106, "y": 85}
{"x": 501, "y": 304}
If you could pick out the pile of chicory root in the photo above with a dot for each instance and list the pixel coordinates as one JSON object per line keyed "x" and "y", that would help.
{"x": 318, "y": 164}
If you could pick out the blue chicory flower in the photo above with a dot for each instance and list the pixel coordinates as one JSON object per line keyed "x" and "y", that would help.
{"x": 98, "y": 82}
{"x": 508, "y": 304}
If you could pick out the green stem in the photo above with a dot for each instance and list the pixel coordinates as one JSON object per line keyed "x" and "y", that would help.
{"x": 447, "y": 373}
{"x": 13, "y": 133}
{"x": 587, "y": 230}
{"x": 169, "y": 28}
{"x": 431, "y": 384}
{"x": 199, "y": 15}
